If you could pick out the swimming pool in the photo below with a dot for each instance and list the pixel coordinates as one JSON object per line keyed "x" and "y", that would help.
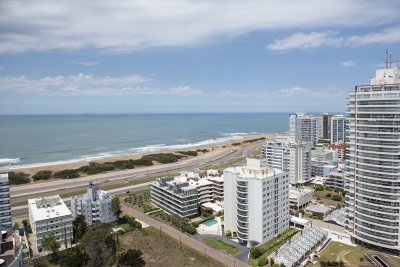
{"x": 210, "y": 222}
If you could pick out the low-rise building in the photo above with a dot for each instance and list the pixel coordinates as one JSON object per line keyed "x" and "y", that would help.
{"x": 256, "y": 202}
{"x": 49, "y": 215}
{"x": 299, "y": 197}
{"x": 175, "y": 196}
{"x": 321, "y": 168}
{"x": 335, "y": 179}
{"x": 5, "y": 206}
{"x": 11, "y": 249}
{"x": 318, "y": 209}
{"x": 217, "y": 181}
{"x": 95, "y": 206}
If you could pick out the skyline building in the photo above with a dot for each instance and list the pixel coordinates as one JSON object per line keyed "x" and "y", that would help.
{"x": 5, "y": 206}
{"x": 324, "y": 125}
{"x": 372, "y": 175}
{"x": 256, "y": 201}
{"x": 303, "y": 128}
{"x": 293, "y": 158}
{"x": 338, "y": 132}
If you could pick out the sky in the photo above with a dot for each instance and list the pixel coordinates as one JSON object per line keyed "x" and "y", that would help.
{"x": 67, "y": 56}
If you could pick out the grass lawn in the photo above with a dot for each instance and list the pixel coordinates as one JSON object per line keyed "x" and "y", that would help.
{"x": 163, "y": 250}
{"x": 274, "y": 244}
{"x": 219, "y": 244}
{"x": 336, "y": 251}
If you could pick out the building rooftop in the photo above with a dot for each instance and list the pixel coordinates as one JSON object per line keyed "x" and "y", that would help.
{"x": 3, "y": 176}
{"x": 255, "y": 168}
{"x": 48, "y": 207}
{"x": 317, "y": 208}
{"x": 299, "y": 191}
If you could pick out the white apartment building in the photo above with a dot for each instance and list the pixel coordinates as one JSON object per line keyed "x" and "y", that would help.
{"x": 49, "y": 215}
{"x": 373, "y": 166}
{"x": 217, "y": 181}
{"x": 95, "y": 206}
{"x": 256, "y": 201}
{"x": 294, "y": 158}
{"x": 335, "y": 179}
{"x": 304, "y": 127}
{"x": 175, "y": 196}
{"x": 5, "y": 206}
{"x": 338, "y": 131}
{"x": 299, "y": 197}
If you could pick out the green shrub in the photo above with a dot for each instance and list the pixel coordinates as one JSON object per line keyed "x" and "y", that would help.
{"x": 18, "y": 178}
{"x": 42, "y": 175}
{"x": 337, "y": 198}
{"x": 67, "y": 174}
{"x": 328, "y": 195}
{"x": 228, "y": 232}
{"x": 319, "y": 188}
{"x": 262, "y": 261}
{"x": 188, "y": 153}
{"x": 256, "y": 252}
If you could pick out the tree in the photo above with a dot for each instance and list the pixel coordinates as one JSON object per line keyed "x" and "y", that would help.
{"x": 79, "y": 227}
{"x": 132, "y": 258}
{"x": 100, "y": 246}
{"x": 74, "y": 257}
{"x": 262, "y": 261}
{"x": 50, "y": 243}
{"x": 16, "y": 227}
{"x": 256, "y": 252}
{"x": 115, "y": 206}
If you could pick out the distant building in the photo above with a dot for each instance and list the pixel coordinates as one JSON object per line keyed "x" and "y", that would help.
{"x": 304, "y": 127}
{"x": 217, "y": 181}
{"x": 5, "y": 206}
{"x": 335, "y": 179}
{"x": 175, "y": 196}
{"x": 95, "y": 206}
{"x": 50, "y": 215}
{"x": 256, "y": 201}
{"x": 325, "y": 126}
{"x": 340, "y": 148}
{"x": 299, "y": 197}
{"x": 339, "y": 125}
{"x": 321, "y": 168}
{"x": 294, "y": 158}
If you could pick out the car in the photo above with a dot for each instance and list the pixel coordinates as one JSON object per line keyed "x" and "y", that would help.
{"x": 127, "y": 191}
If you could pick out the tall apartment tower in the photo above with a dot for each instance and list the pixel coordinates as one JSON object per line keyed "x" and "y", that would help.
{"x": 256, "y": 200}
{"x": 293, "y": 158}
{"x": 325, "y": 126}
{"x": 338, "y": 131}
{"x": 5, "y": 206}
{"x": 303, "y": 127}
{"x": 373, "y": 167}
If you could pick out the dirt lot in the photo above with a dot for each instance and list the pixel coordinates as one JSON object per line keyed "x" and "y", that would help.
{"x": 165, "y": 251}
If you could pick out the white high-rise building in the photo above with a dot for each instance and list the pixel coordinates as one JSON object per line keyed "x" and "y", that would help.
{"x": 338, "y": 128}
{"x": 5, "y": 206}
{"x": 373, "y": 166}
{"x": 294, "y": 158}
{"x": 95, "y": 206}
{"x": 256, "y": 201}
{"x": 50, "y": 215}
{"x": 304, "y": 127}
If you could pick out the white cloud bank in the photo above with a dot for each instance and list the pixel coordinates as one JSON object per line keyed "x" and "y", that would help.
{"x": 348, "y": 64}
{"x": 130, "y": 25}
{"x": 328, "y": 38}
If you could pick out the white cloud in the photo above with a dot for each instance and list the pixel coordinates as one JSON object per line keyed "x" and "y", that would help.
{"x": 305, "y": 40}
{"x": 130, "y": 25}
{"x": 316, "y": 39}
{"x": 305, "y": 93}
{"x": 348, "y": 64}
{"x": 87, "y": 63}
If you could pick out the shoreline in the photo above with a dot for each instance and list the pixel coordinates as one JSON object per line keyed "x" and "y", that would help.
{"x": 73, "y": 164}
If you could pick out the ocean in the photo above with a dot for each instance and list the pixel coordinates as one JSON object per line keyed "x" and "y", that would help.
{"x": 37, "y": 140}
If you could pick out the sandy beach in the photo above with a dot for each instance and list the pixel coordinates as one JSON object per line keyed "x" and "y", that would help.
{"x": 213, "y": 147}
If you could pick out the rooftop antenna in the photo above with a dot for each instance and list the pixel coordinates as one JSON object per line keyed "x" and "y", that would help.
{"x": 386, "y": 60}
{"x": 390, "y": 59}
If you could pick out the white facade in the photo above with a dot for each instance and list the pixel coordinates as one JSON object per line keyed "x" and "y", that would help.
{"x": 338, "y": 131}
{"x": 95, "y": 206}
{"x": 304, "y": 127}
{"x": 175, "y": 196}
{"x": 256, "y": 201}
{"x": 373, "y": 166}
{"x": 335, "y": 179}
{"x": 50, "y": 215}
{"x": 217, "y": 181}
{"x": 300, "y": 196}
{"x": 5, "y": 206}
{"x": 294, "y": 158}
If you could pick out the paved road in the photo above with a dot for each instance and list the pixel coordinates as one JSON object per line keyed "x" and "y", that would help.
{"x": 187, "y": 240}
{"x": 36, "y": 188}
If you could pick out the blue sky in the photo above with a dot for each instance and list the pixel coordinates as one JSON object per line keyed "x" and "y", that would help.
{"x": 190, "y": 56}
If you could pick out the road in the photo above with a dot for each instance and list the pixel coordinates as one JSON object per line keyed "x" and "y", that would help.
{"x": 187, "y": 240}
{"x": 36, "y": 188}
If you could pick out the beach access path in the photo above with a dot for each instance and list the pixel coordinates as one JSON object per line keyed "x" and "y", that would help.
{"x": 185, "y": 239}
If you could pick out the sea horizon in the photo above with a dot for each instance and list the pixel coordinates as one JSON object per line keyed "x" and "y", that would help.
{"x": 41, "y": 140}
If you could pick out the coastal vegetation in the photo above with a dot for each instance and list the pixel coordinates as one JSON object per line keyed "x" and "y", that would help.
{"x": 182, "y": 224}
{"x": 16, "y": 178}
